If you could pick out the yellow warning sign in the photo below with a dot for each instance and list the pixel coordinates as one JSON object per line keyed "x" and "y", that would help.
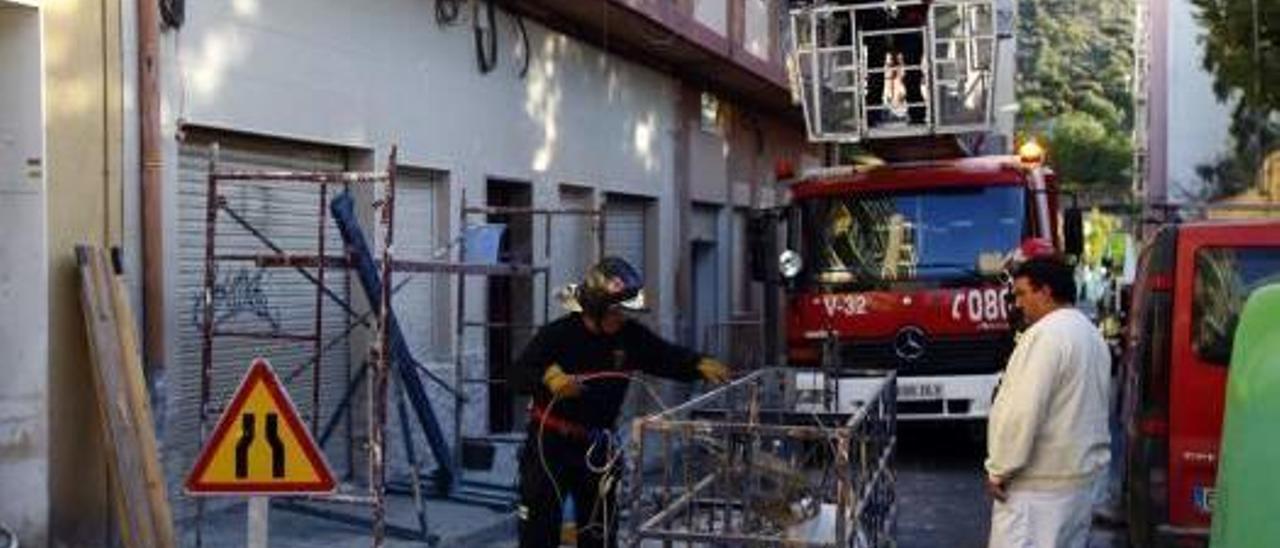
{"x": 259, "y": 445}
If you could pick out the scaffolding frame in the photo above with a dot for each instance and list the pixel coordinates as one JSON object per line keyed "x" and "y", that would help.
{"x": 381, "y": 321}
{"x": 380, "y": 347}
{"x": 533, "y": 270}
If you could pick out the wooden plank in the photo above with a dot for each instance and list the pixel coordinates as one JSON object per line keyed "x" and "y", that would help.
{"x": 121, "y": 422}
{"x": 136, "y": 392}
{"x": 104, "y": 348}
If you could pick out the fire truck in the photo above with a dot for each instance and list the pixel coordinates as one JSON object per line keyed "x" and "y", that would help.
{"x": 900, "y": 264}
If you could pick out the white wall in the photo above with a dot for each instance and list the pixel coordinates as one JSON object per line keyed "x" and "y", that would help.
{"x": 1198, "y": 124}
{"x": 372, "y": 74}
{"x": 24, "y": 440}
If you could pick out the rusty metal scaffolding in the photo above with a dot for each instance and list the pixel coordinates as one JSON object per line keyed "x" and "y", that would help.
{"x": 767, "y": 460}
{"x": 531, "y": 270}
{"x": 312, "y": 265}
{"x": 739, "y": 342}
{"x": 278, "y": 257}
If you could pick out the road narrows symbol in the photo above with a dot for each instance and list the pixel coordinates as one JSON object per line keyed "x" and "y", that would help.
{"x": 277, "y": 446}
{"x": 247, "y": 438}
{"x": 242, "y": 446}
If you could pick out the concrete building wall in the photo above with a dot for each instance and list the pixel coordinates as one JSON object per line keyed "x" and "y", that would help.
{"x": 24, "y": 322}
{"x": 1191, "y": 139}
{"x": 60, "y": 120}
{"x": 365, "y": 76}
{"x": 83, "y": 122}
{"x": 1188, "y": 126}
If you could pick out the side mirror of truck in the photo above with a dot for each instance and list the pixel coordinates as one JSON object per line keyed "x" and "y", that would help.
{"x": 1073, "y": 231}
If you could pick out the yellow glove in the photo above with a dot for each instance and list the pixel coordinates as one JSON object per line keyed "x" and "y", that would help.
{"x": 714, "y": 371}
{"x": 561, "y": 384}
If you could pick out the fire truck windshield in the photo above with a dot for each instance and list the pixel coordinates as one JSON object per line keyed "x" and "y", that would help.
{"x": 931, "y": 235}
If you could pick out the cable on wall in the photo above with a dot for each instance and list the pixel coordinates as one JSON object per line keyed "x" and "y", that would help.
{"x": 173, "y": 13}
{"x": 486, "y": 35}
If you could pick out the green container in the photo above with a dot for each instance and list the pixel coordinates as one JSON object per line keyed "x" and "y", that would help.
{"x": 1248, "y": 488}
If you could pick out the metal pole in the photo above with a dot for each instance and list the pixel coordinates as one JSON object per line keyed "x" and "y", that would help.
{"x": 152, "y": 187}
{"x": 319, "y": 318}
{"x": 771, "y": 295}
{"x": 406, "y": 437}
{"x": 377, "y": 463}
{"x": 1255, "y": 105}
{"x": 259, "y": 507}
{"x": 459, "y": 328}
{"x": 351, "y": 420}
{"x": 546, "y": 274}
{"x": 206, "y": 327}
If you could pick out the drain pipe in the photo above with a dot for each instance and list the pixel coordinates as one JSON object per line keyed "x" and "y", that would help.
{"x": 152, "y": 170}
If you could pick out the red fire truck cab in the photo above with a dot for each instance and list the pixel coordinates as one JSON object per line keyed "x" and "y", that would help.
{"x": 1192, "y": 281}
{"x": 901, "y": 267}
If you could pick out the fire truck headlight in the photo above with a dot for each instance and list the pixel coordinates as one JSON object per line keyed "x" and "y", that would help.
{"x": 789, "y": 264}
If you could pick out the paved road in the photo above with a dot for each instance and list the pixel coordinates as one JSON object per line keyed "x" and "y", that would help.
{"x": 940, "y": 494}
{"x": 941, "y": 500}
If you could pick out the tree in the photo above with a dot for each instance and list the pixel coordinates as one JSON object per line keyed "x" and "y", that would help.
{"x": 1245, "y": 71}
{"x": 1085, "y": 153}
{"x": 1074, "y": 67}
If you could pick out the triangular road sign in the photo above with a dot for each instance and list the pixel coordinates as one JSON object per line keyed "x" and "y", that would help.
{"x": 260, "y": 446}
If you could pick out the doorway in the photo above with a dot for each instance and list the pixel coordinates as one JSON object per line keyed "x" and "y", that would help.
{"x": 510, "y": 302}
{"x": 705, "y": 288}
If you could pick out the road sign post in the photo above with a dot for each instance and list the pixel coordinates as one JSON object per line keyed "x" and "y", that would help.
{"x": 259, "y": 507}
{"x": 260, "y": 447}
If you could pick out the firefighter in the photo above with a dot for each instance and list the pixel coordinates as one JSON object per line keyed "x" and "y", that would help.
{"x": 577, "y": 369}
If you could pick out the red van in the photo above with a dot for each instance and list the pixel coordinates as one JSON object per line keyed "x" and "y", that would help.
{"x": 1191, "y": 283}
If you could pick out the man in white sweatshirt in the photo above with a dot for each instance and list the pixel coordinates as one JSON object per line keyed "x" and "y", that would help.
{"x": 1047, "y": 437}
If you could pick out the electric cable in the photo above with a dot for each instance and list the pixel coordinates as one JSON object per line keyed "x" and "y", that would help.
{"x": 607, "y": 480}
{"x": 518, "y": 21}
{"x": 486, "y": 36}
{"x": 447, "y": 12}
{"x": 173, "y": 12}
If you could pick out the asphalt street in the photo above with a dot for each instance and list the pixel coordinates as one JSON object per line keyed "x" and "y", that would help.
{"x": 941, "y": 498}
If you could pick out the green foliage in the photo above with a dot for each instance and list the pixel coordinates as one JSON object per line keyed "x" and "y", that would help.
{"x": 1084, "y": 152}
{"x": 1247, "y": 76}
{"x": 1229, "y": 50}
{"x": 1075, "y": 62}
{"x": 1227, "y": 175}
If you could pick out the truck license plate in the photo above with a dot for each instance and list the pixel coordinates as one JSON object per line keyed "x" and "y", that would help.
{"x": 930, "y": 391}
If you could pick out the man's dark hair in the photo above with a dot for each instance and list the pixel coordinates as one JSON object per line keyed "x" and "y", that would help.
{"x": 1051, "y": 272}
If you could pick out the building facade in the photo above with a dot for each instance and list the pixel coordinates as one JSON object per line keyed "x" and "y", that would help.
{"x": 668, "y": 116}
{"x": 61, "y": 184}
{"x": 1173, "y": 83}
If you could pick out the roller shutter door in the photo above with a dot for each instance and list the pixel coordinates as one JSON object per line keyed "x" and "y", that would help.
{"x": 624, "y": 233}
{"x": 251, "y": 299}
{"x": 573, "y": 242}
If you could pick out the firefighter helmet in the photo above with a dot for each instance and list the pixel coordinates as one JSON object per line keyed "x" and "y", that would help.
{"x": 609, "y": 283}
